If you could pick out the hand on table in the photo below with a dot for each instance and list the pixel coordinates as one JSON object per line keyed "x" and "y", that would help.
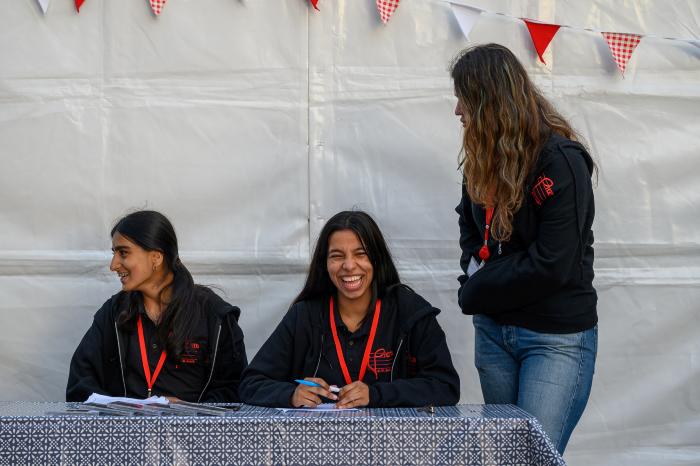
{"x": 310, "y": 397}
{"x": 354, "y": 395}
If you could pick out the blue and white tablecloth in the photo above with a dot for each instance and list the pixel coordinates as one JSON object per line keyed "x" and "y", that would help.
{"x": 464, "y": 434}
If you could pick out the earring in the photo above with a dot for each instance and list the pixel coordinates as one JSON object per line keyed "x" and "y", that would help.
{"x": 155, "y": 267}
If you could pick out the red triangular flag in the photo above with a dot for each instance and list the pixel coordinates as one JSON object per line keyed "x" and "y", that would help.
{"x": 78, "y": 4}
{"x": 622, "y": 46}
{"x": 541, "y": 34}
{"x": 386, "y": 8}
{"x": 157, "y": 6}
{"x": 314, "y": 3}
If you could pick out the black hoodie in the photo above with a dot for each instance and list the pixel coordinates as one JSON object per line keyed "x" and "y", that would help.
{"x": 99, "y": 363}
{"x": 418, "y": 369}
{"x": 542, "y": 279}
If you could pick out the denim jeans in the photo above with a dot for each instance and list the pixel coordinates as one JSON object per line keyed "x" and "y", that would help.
{"x": 548, "y": 375}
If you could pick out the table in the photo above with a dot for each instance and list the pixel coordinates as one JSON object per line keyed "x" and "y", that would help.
{"x": 463, "y": 434}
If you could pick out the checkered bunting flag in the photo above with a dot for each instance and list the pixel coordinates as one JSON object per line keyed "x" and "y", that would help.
{"x": 157, "y": 6}
{"x": 386, "y": 8}
{"x": 622, "y": 46}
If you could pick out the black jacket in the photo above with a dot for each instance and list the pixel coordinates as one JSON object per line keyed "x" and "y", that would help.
{"x": 542, "y": 279}
{"x": 98, "y": 364}
{"x": 421, "y": 370}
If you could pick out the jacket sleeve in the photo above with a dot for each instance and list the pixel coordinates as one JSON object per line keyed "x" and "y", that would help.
{"x": 86, "y": 374}
{"x": 436, "y": 381}
{"x": 469, "y": 236}
{"x": 267, "y": 381}
{"x": 528, "y": 276}
{"x": 229, "y": 364}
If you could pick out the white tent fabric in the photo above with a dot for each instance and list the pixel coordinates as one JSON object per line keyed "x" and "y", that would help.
{"x": 250, "y": 122}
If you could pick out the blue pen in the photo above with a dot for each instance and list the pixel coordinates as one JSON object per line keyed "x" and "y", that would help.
{"x": 309, "y": 383}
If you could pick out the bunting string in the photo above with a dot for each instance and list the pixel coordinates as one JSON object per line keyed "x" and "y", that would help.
{"x": 575, "y": 28}
{"x": 621, "y": 45}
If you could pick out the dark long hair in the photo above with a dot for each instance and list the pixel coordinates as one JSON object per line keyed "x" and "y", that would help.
{"x": 319, "y": 284}
{"x": 508, "y": 121}
{"x": 152, "y": 231}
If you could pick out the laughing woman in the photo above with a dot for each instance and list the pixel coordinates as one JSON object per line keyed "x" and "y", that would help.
{"x": 354, "y": 326}
{"x": 525, "y": 222}
{"x": 162, "y": 334}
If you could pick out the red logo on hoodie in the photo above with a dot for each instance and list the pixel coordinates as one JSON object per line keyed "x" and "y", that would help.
{"x": 542, "y": 189}
{"x": 380, "y": 362}
{"x": 191, "y": 352}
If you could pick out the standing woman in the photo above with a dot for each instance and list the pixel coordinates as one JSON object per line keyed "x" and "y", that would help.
{"x": 525, "y": 233}
{"x": 355, "y": 326}
{"x": 162, "y": 334}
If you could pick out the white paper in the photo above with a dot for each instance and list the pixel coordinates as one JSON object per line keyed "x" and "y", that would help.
{"x": 321, "y": 407}
{"x": 474, "y": 266}
{"x": 104, "y": 400}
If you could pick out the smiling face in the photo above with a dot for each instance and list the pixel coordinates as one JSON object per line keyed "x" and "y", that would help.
{"x": 349, "y": 267}
{"x": 137, "y": 268}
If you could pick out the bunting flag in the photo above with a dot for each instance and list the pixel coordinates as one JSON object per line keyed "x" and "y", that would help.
{"x": 386, "y": 8}
{"x": 44, "y": 4}
{"x": 622, "y": 46}
{"x": 466, "y": 16}
{"x": 541, "y": 34}
{"x": 78, "y": 4}
{"x": 157, "y": 6}
{"x": 315, "y": 3}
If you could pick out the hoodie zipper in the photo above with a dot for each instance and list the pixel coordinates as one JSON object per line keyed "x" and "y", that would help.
{"x": 213, "y": 363}
{"x": 398, "y": 349}
{"x": 320, "y": 354}
{"x": 119, "y": 350}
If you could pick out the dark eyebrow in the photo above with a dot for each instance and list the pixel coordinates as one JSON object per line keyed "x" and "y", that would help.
{"x": 120, "y": 248}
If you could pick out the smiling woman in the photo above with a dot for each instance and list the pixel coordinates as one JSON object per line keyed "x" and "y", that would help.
{"x": 161, "y": 334}
{"x": 354, "y": 325}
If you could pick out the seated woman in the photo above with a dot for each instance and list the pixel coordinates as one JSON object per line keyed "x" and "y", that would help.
{"x": 354, "y": 325}
{"x": 162, "y": 334}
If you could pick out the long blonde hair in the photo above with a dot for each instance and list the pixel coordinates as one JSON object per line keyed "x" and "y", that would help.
{"x": 508, "y": 121}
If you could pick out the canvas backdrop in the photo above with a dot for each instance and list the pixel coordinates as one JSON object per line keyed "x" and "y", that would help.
{"x": 250, "y": 123}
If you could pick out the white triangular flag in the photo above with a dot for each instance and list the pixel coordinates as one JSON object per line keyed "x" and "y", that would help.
{"x": 467, "y": 17}
{"x": 44, "y": 4}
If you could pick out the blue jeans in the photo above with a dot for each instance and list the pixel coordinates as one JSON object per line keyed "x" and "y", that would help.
{"x": 548, "y": 375}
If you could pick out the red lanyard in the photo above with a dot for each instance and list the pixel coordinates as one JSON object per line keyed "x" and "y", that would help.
{"x": 484, "y": 253}
{"x": 368, "y": 347}
{"x": 144, "y": 360}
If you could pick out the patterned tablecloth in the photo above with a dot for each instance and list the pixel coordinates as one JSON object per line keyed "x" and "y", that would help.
{"x": 464, "y": 434}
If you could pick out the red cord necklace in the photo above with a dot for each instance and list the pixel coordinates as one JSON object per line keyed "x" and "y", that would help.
{"x": 484, "y": 253}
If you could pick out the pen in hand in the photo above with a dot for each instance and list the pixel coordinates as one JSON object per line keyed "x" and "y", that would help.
{"x": 310, "y": 391}
{"x": 309, "y": 383}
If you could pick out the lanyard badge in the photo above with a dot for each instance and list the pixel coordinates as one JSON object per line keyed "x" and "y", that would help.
{"x": 144, "y": 360}
{"x": 368, "y": 347}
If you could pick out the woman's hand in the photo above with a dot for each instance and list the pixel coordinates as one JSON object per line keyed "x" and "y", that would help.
{"x": 310, "y": 397}
{"x": 354, "y": 395}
